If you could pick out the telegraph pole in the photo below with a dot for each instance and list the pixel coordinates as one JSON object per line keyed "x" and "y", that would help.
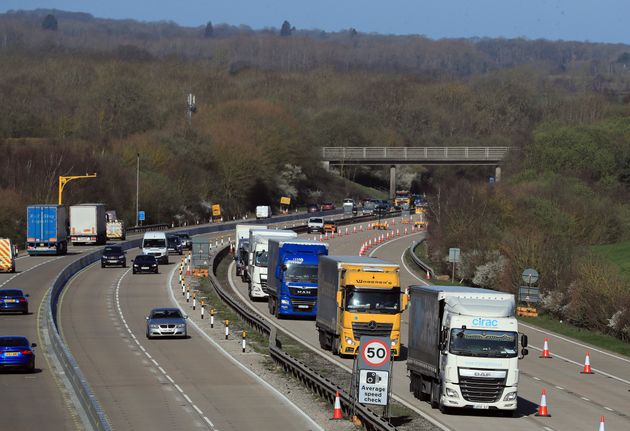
{"x": 137, "y": 186}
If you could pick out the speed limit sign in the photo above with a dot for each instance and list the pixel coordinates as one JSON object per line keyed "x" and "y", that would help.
{"x": 375, "y": 352}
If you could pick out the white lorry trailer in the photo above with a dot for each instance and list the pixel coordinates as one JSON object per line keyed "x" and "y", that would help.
{"x": 258, "y": 257}
{"x": 88, "y": 224}
{"x": 464, "y": 348}
{"x": 240, "y": 252}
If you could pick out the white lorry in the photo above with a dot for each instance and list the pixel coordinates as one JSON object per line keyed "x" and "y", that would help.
{"x": 463, "y": 348}
{"x": 258, "y": 257}
{"x": 240, "y": 252}
{"x": 263, "y": 211}
{"x": 87, "y": 224}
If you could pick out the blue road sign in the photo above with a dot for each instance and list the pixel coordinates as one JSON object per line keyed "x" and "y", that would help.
{"x": 141, "y": 215}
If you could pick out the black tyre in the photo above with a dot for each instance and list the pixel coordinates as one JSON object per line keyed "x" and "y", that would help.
{"x": 102, "y": 265}
{"x": 133, "y": 271}
{"x": 124, "y": 265}
{"x": 25, "y": 311}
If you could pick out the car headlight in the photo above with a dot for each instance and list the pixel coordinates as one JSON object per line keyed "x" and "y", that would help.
{"x": 154, "y": 264}
{"x": 510, "y": 397}
{"x": 152, "y": 326}
{"x": 349, "y": 341}
{"x": 180, "y": 325}
{"x": 121, "y": 257}
{"x": 135, "y": 265}
{"x": 451, "y": 393}
{"x": 284, "y": 301}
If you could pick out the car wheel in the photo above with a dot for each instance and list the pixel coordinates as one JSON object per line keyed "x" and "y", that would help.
{"x": 25, "y": 311}
{"x": 157, "y": 271}
{"x": 133, "y": 271}
{"x": 31, "y": 367}
{"x": 148, "y": 336}
{"x": 124, "y": 265}
{"x": 102, "y": 265}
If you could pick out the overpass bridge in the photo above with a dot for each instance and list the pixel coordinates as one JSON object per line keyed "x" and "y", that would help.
{"x": 392, "y": 156}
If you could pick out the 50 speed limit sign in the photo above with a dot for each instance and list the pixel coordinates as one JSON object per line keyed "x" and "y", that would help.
{"x": 375, "y": 353}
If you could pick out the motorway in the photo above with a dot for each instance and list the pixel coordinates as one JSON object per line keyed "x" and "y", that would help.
{"x": 34, "y": 401}
{"x": 575, "y": 401}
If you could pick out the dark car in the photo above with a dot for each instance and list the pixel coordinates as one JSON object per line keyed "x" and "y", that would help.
{"x": 328, "y": 206}
{"x": 13, "y": 300}
{"x": 185, "y": 239}
{"x": 17, "y": 352}
{"x": 113, "y": 255}
{"x": 312, "y": 208}
{"x": 174, "y": 244}
{"x": 145, "y": 263}
{"x": 166, "y": 322}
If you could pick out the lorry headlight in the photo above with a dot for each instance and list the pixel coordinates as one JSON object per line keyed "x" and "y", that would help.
{"x": 451, "y": 393}
{"x": 349, "y": 341}
{"x": 284, "y": 301}
{"x": 394, "y": 343}
{"x": 510, "y": 397}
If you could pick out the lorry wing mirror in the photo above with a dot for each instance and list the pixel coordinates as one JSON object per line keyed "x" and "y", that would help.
{"x": 523, "y": 340}
{"x": 405, "y": 301}
{"x": 524, "y": 353}
{"x": 283, "y": 267}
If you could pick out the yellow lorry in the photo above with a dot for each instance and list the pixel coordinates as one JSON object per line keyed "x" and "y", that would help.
{"x": 356, "y": 296}
{"x": 8, "y": 253}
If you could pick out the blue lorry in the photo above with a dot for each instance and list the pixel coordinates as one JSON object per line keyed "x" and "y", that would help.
{"x": 46, "y": 229}
{"x": 292, "y": 276}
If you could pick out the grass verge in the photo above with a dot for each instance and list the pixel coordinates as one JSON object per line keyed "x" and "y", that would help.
{"x": 595, "y": 338}
{"x": 618, "y": 254}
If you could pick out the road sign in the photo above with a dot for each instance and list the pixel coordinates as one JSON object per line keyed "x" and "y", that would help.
{"x": 530, "y": 276}
{"x": 216, "y": 210}
{"x": 141, "y": 215}
{"x": 373, "y": 387}
{"x": 374, "y": 352}
{"x": 285, "y": 201}
{"x": 529, "y": 294}
{"x": 454, "y": 255}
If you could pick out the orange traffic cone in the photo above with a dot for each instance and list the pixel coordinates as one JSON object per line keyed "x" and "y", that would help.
{"x": 337, "y": 412}
{"x": 545, "y": 352}
{"x": 601, "y": 424}
{"x": 587, "y": 365}
{"x": 542, "y": 409}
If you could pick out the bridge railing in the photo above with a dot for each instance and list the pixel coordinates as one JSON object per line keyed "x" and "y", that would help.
{"x": 414, "y": 153}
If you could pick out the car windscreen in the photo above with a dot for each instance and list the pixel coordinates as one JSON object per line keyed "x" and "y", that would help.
{"x": 144, "y": 259}
{"x": 183, "y": 235}
{"x": 13, "y": 342}
{"x": 316, "y": 220}
{"x": 154, "y": 242}
{"x": 166, "y": 314}
{"x": 112, "y": 250}
{"x": 10, "y": 293}
{"x": 173, "y": 240}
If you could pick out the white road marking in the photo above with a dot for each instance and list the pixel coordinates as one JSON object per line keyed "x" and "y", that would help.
{"x": 560, "y": 387}
{"x": 208, "y": 421}
{"x": 30, "y": 269}
{"x": 536, "y": 378}
{"x": 201, "y": 332}
{"x": 122, "y": 317}
{"x": 609, "y": 409}
{"x": 585, "y": 399}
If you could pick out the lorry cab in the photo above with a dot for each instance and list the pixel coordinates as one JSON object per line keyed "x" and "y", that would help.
{"x": 258, "y": 258}
{"x": 155, "y": 244}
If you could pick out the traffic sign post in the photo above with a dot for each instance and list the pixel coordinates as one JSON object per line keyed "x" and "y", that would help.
{"x": 454, "y": 256}
{"x": 372, "y": 372}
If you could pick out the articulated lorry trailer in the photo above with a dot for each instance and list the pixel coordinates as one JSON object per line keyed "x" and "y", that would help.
{"x": 46, "y": 229}
{"x": 258, "y": 257}
{"x": 356, "y": 296}
{"x": 241, "y": 247}
{"x": 463, "y": 348}
{"x": 292, "y": 276}
{"x": 88, "y": 224}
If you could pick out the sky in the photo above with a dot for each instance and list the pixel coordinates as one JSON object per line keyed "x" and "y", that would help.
{"x": 579, "y": 20}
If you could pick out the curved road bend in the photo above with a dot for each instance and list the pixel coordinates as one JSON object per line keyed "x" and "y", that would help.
{"x": 159, "y": 384}
{"x": 574, "y": 399}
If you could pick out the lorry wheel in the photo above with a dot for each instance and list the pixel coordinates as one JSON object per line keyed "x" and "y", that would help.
{"x": 270, "y": 306}
{"x": 435, "y": 395}
{"x": 336, "y": 346}
{"x": 324, "y": 341}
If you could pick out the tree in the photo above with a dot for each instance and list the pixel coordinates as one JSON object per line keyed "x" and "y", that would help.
{"x": 286, "y": 29}
{"x": 209, "y": 31}
{"x": 50, "y": 23}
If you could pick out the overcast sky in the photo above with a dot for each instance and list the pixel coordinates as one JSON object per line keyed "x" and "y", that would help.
{"x": 582, "y": 20}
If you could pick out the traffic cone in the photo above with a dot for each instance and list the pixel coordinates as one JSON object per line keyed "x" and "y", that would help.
{"x": 545, "y": 352}
{"x": 542, "y": 409}
{"x": 587, "y": 365}
{"x": 361, "y": 228}
{"x": 354, "y": 229}
{"x": 601, "y": 424}
{"x": 428, "y": 275}
{"x": 337, "y": 412}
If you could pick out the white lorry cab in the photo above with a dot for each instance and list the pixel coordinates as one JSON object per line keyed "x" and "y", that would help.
{"x": 258, "y": 257}
{"x": 155, "y": 244}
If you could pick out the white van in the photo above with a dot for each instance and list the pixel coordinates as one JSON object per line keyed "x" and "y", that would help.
{"x": 155, "y": 244}
{"x": 263, "y": 211}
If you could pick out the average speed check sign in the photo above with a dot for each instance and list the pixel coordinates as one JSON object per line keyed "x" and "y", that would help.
{"x": 375, "y": 353}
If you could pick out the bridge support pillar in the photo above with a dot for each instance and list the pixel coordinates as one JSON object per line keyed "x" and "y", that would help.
{"x": 497, "y": 174}
{"x": 392, "y": 181}
{"x": 326, "y": 166}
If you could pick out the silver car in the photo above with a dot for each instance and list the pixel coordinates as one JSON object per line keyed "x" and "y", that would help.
{"x": 166, "y": 322}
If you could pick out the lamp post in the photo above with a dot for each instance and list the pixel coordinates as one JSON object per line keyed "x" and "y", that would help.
{"x": 137, "y": 186}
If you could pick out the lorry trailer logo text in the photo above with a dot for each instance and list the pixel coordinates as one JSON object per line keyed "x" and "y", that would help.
{"x": 480, "y": 321}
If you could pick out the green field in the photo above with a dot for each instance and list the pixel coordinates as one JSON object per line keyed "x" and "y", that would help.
{"x": 618, "y": 253}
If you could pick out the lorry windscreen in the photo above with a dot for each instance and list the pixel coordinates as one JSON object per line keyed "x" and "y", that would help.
{"x": 479, "y": 342}
{"x": 154, "y": 242}
{"x": 373, "y": 300}
{"x": 262, "y": 257}
{"x": 301, "y": 273}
